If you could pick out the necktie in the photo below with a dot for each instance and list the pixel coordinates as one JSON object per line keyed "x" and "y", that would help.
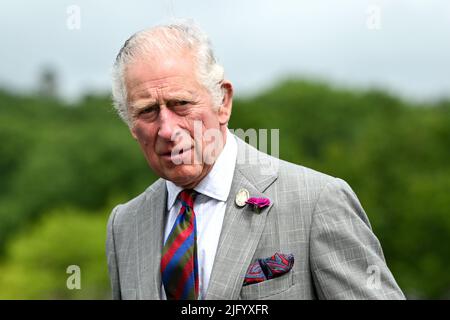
{"x": 179, "y": 268}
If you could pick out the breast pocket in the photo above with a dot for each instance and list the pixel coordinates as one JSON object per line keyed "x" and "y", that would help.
{"x": 268, "y": 288}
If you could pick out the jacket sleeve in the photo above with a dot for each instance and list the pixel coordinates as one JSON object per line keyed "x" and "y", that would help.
{"x": 111, "y": 257}
{"x": 346, "y": 258}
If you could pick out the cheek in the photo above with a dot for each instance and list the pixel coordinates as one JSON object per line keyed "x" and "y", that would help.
{"x": 143, "y": 134}
{"x": 211, "y": 122}
{"x": 208, "y": 116}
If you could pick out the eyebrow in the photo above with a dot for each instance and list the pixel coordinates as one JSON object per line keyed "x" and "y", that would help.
{"x": 142, "y": 104}
{"x": 149, "y": 102}
{"x": 181, "y": 95}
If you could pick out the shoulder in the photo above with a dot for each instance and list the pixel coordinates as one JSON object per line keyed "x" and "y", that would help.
{"x": 315, "y": 181}
{"x": 125, "y": 212}
{"x": 288, "y": 176}
{"x": 306, "y": 186}
{"x": 328, "y": 197}
{"x": 293, "y": 183}
{"x": 303, "y": 176}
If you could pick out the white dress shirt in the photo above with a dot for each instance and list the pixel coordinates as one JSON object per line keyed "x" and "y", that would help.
{"x": 209, "y": 208}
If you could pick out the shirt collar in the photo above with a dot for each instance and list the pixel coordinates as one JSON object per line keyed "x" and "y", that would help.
{"x": 217, "y": 183}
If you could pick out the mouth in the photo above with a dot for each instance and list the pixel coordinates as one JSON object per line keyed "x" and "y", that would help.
{"x": 182, "y": 155}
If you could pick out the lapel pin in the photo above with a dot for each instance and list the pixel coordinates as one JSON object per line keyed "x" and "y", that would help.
{"x": 258, "y": 203}
{"x": 242, "y": 197}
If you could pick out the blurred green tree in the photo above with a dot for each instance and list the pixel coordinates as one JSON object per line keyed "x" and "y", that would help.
{"x": 53, "y": 155}
{"x": 38, "y": 257}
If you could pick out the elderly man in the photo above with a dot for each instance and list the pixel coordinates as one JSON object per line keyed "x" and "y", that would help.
{"x": 225, "y": 221}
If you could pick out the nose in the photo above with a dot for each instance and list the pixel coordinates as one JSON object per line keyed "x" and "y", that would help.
{"x": 168, "y": 126}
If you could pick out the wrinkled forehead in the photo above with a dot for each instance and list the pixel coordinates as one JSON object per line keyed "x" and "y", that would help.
{"x": 172, "y": 72}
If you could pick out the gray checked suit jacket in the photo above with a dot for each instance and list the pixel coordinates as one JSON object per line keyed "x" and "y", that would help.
{"x": 313, "y": 216}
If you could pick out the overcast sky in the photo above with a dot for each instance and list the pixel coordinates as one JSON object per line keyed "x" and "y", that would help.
{"x": 400, "y": 45}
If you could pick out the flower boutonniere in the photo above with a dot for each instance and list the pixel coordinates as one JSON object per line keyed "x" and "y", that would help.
{"x": 258, "y": 203}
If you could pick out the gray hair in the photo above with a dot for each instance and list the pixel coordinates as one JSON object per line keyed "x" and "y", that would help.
{"x": 161, "y": 39}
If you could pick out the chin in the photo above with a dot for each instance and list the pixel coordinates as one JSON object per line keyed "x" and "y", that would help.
{"x": 183, "y": 175}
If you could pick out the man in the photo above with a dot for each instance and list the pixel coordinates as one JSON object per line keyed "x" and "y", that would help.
{"x": 225, "y": 221}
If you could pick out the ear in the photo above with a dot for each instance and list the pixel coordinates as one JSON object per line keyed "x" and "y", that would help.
{"x": 227, "y": 102}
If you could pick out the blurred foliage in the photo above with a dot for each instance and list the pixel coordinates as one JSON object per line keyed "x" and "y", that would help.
{"x": 56, "y": 156}
{"x": 38, "y": 258}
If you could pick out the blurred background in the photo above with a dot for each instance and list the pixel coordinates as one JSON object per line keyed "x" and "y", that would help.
{"x": 358, "y": 89}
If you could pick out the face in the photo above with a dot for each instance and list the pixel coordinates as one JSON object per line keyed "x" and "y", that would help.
{"x": 166, "y": 102}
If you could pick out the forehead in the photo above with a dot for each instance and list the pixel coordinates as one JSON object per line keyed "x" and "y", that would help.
{"x": 173, "y": 72}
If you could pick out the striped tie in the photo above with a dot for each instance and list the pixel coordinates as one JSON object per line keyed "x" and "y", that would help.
{"x": 179, "y": 269}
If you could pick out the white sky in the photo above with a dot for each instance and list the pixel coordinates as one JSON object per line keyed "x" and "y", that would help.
{"x": 257, "y": 41}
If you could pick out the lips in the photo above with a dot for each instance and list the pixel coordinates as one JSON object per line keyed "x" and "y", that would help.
{"x": 179, "y": 156}
{"x": 168, "y": 152}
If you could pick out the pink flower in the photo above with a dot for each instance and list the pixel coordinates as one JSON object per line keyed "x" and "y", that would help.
{"x": 258, "y": 203}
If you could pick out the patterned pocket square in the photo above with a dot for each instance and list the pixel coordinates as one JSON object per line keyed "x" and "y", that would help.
{"x": 269, "y": 268}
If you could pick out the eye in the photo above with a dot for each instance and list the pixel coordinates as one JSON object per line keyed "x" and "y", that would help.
{"x": 148, "y": 113}
{"x": 180, "y": 103}
{"x": 148, "y": 110}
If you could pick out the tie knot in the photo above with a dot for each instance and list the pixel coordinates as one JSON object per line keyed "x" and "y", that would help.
{"x": 187, "y": 197}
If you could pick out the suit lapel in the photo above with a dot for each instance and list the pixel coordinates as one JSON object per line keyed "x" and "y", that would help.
{"x": 241, "y": 231}
{"x": 150, "y": 233}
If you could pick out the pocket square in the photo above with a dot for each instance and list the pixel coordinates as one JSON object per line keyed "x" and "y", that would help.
{"x": 269, "y": 268}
